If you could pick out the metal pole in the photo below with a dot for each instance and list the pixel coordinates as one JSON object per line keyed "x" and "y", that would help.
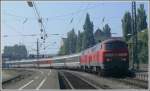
{"x": 134, "y": 37}
{"x": 132, "y": 57}
{"x": 37, "y": 52}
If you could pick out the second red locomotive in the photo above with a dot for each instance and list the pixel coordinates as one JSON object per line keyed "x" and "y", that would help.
{"x": 108, "y": 57}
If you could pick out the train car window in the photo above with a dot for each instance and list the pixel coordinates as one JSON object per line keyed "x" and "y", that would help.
{"x": 115, "y": 45}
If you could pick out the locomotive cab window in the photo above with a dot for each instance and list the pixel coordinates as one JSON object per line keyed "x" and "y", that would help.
{"x": 115, "y": 45}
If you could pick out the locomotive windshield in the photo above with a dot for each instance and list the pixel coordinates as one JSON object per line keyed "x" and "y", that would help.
{"x": 115, "y": 45}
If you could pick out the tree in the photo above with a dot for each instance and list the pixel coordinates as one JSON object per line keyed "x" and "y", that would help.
{"x": 71, "y": 39}
{"x": 69, "y": 43}
{"x": 143, "y": 46}
{"x": 15, "y": 52}
{"x": 106, "y": 30}
{"x": 64, "y": 48}
{"x": 79, "y": 41}
{"x": 126, "y": 25}
{"x": 88, "y": 37}
{"x": 141, "y": 18}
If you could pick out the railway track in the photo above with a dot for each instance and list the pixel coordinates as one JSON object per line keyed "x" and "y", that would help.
{"x": 139, "y": 81}
{"x": 73, "y": 81}
{"x": 132, "y": 82}
{"x": 129, "y": 82}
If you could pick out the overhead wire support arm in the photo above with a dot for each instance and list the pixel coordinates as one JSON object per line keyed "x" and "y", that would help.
{"x": 40, "y": 21}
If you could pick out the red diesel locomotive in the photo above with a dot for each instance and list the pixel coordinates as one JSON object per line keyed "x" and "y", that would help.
{"x": 108, "y": 57}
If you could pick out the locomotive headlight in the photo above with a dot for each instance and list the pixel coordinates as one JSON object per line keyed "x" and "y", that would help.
{"x": 124, "y": 59}
{"x": 123, "y": 54}
{"x": 108, "y": 59}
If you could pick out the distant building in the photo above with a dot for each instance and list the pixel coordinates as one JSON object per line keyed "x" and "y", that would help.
{"x": 101, "y": 35}
{"x": 63, "y": 41}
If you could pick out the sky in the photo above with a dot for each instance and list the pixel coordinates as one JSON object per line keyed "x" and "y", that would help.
{"x": 18, "y": 19}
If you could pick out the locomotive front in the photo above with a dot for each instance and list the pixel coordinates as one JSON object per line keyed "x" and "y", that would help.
{"x": 115, "y": 57}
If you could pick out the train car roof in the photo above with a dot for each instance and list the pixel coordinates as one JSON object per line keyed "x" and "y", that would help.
{"x": 110, "y": 40}
{"x": 89, "y": 50}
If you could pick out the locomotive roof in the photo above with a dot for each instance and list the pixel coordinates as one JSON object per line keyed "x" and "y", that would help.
{"x": 112, "y": 40}
{"x": 98, "y": 45}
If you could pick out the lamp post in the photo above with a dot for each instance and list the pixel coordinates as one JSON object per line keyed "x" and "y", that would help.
{"x": 30, "y": 4}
